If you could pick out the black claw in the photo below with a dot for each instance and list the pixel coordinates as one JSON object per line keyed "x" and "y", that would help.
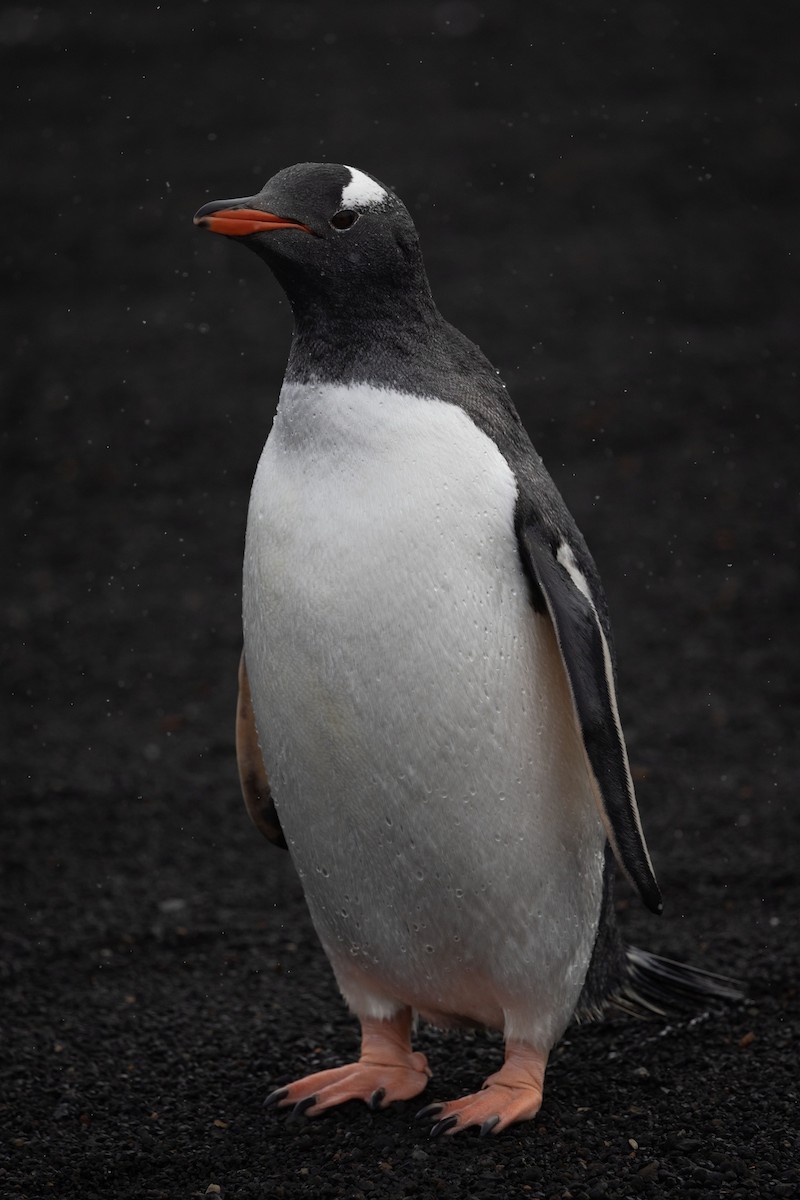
{"x": 301, "y": 1106}
{"x": 374, "y": 1101}
{"x": 488, "y": 1125}
{"x": 275, "y": 1097}
{"x": 443, "y": 1125}
{"x": 430, "y": 1110}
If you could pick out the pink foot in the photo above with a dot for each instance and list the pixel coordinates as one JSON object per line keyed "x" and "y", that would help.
{"x": 387, "y": 1070}
{"x": 514, "y": 1093}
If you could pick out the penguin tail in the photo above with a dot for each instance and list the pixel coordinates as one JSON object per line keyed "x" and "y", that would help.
{"x": 657, "y": 987}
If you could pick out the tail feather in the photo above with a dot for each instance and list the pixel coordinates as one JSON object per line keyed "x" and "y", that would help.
{"x": 655, "y": 986}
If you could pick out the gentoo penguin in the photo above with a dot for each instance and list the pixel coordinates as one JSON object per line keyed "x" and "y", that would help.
{"x": 427, "y": 709}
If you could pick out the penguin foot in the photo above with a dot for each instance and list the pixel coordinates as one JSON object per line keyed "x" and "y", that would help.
{"x": 387, "y": 1070}
{"x": 514, "y": 1093}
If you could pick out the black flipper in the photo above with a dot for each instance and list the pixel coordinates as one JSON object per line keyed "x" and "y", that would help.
{"x": 587, "y": 660}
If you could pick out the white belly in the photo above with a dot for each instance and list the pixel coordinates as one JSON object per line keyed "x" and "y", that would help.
{"x": 414, "y": 714}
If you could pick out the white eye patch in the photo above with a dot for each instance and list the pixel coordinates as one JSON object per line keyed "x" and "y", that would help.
{"x": 361, "y": 191}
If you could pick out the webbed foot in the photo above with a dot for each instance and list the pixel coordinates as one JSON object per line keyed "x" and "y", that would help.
{"x": 514, "y": 1093}
{"x": 387, "y": 1070}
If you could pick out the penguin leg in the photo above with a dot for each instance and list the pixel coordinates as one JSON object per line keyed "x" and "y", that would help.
{"x": 387, "y": 1070}
{"x": 514, "y": 1093}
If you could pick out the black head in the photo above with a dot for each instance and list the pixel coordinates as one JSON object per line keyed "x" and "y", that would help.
{"x": 333, "y": 236}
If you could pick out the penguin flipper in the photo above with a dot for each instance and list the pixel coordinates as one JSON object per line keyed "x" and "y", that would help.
{"x": 252, "y": 773}
{"x": 586, "y": 655}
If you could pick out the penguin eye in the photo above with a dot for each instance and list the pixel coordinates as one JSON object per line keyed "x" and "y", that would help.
{"x": 344, "y": 218}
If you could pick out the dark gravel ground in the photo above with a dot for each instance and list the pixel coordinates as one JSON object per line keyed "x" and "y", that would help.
{"x": 603, "y": 198}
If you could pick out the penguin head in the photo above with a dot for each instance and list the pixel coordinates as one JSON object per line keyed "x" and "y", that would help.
{"x": 329, "y": 233}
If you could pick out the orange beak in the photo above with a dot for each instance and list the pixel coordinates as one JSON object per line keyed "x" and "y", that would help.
{"x": 239, "y": 222}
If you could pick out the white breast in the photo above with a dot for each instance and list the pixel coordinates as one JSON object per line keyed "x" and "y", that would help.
{"x": 414, "y": 714}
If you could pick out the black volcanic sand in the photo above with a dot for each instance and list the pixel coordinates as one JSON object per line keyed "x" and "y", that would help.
{"x": 603, "y": 199}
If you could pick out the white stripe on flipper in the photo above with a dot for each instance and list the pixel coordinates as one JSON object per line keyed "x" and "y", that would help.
{"x": 361, "y": 191}
{"x": 566, "y": 558}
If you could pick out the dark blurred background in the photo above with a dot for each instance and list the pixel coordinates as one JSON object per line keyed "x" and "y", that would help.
{"x": 607, "y": 202}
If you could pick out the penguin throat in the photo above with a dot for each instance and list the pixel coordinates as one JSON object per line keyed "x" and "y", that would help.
{"x": 358, "y": 337}
{"x": 353, "y": 348}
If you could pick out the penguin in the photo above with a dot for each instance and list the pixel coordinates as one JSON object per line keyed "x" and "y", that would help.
{"x": 427, "y": 714}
